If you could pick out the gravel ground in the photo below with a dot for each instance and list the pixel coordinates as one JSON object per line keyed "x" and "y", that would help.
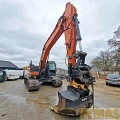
{"x": 18, "y": 104}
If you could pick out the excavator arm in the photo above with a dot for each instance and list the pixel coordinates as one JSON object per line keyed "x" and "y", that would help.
{"x": 67, "y": 24}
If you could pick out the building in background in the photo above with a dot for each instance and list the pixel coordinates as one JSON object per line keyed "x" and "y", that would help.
{"x": 61, "y": 72}
{"x": 7, "y": 65}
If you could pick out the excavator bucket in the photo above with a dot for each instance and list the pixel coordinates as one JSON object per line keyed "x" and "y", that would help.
{"x": 73, "y": 101}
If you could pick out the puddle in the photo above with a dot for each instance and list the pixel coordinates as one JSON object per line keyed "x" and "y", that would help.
{"x": 102, "y": 114}
{"x": 42, "y": 103}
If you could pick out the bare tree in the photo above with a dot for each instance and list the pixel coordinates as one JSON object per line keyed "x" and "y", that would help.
{"x": 104, "y": 61}
{"x": 96, "y": 62}
{"x": 115, "y": 44}
{"x": 107, "y": 59}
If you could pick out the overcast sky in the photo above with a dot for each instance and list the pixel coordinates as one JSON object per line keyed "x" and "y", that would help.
{"x": 25, "y": 26}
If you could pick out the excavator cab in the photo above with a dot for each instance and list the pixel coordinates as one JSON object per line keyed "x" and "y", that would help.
{"x": 49, "y": 74}
{"x": 50, "y": 69}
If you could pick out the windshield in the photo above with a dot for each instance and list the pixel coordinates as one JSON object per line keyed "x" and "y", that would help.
{"x": 1, "y": 73}
{"x": 114, "y": 76}
{"x": 52, "y": 66}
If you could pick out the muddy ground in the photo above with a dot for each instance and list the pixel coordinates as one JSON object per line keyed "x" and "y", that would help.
{"x": 18, "y": 104}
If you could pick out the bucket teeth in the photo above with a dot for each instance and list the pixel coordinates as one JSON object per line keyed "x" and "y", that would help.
{"x": 73, "y": 101}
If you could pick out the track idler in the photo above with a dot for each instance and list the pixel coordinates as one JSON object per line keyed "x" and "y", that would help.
{"x": 73, "y": 101}
{"x": 57, "y": 82}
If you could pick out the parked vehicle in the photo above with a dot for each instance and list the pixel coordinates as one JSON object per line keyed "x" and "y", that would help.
{"x": 113, "y": 79}
{"x": 14, "y": 74}
{"x": 2, "y": 76}
{"x": 20, "y": 73}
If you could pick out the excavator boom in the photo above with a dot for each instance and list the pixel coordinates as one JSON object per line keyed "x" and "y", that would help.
{"x": 64, "y": 25}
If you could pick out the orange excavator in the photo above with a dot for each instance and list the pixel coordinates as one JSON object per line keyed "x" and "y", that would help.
{"x": 79, "y": 96}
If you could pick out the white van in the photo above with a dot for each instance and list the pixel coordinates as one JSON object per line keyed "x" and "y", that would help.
{"x": 20, "y": 73}
{"x": 14, "y": 74}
